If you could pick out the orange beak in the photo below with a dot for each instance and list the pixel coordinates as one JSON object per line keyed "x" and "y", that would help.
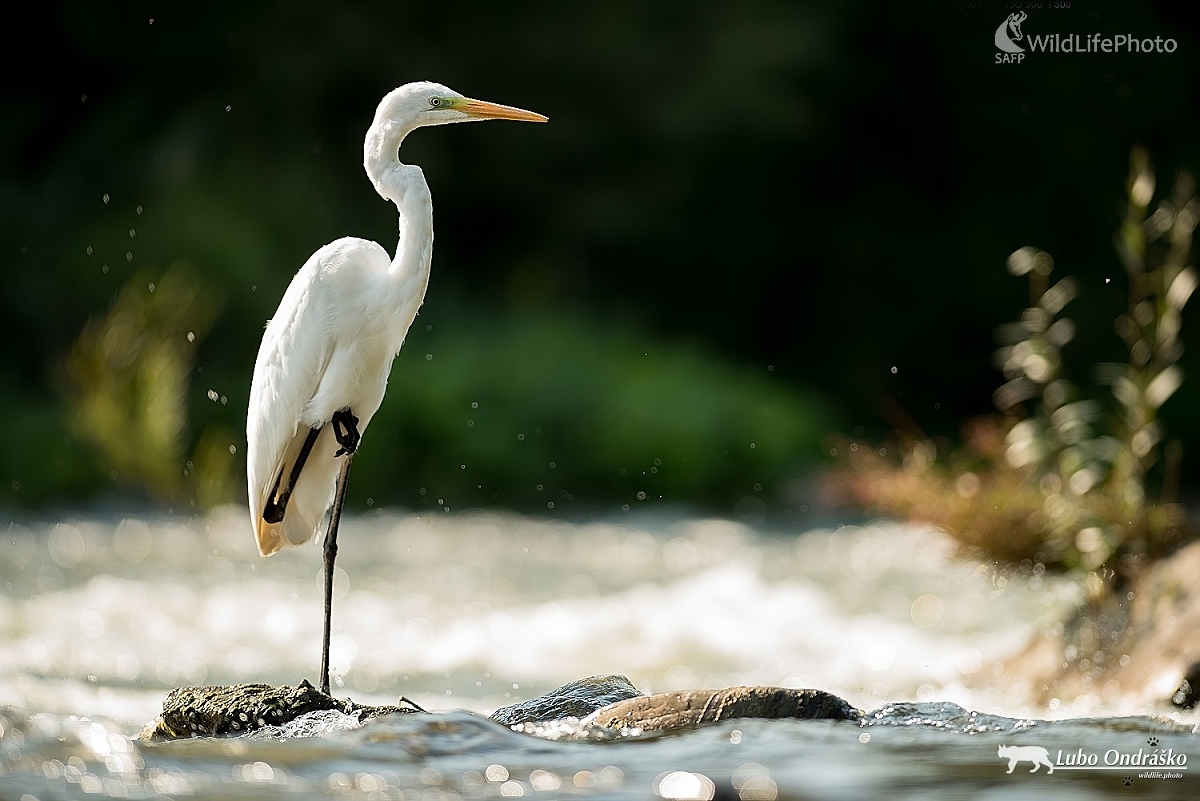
{"x": 482, "y": 110}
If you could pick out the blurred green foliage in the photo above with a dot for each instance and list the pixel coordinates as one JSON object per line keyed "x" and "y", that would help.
{"x": 1091, "y": 465}
{"x": 558, "y": 412}
{"x": 1065, "y": 481}
{"x": 128, "y": 376}
{"x": 820, "y": 187}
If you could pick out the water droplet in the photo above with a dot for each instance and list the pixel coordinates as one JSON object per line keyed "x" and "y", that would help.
{"x": 681, "y": 784}
{"x": 66, "y": 545}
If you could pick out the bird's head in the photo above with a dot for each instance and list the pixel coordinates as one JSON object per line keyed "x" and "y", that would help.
{"x": 415, "y": 105}
{"x": 424, "y": 103}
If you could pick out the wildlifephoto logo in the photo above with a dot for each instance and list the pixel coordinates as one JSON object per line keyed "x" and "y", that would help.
{"x": 1155, "y": 762}
{"x": 1009, "y": 33}
{"x": 1013, "y": 45}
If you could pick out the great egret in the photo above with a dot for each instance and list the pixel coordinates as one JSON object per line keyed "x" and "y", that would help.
{"x": 323, "y": 364}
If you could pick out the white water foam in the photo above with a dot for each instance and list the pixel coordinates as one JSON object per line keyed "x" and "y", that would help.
{"x": 478, "y": 610}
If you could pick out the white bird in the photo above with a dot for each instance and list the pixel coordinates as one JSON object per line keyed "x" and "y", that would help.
{"x": 323, "y": 364}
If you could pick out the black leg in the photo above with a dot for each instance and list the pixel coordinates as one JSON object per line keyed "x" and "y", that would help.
{"x": 335, "y": 517}
{"x": 345, "y": 431}
{"x": 278, "y": 501}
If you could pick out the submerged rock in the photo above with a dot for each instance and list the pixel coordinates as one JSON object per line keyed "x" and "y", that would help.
{"x": 682, "y": 710}
{"x": 575, "y": 699}
{"x": 241, "y": 708}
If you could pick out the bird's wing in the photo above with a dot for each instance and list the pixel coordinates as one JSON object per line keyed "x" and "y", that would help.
{"x": 294, "y": 354}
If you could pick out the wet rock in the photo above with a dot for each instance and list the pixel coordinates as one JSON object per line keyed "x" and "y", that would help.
{"x": 576, "y": 699}
{"x": 1189, "y": 690}
{"x": 241, "y": 708}
{"x": 682, "y": 710}
{"x": 605, "y": 701}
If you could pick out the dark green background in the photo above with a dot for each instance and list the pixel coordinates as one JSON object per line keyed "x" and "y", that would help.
{"x": 737, "y": 206}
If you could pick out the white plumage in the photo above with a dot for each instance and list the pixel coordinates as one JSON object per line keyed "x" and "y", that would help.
{"x": 329, "y": 346}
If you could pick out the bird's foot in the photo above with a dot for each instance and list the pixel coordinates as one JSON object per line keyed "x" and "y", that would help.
{"x": 403, "y": 700}
{"x": 345, "y": 431}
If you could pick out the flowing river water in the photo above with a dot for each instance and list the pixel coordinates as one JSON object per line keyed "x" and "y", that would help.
{"x": 100, "y": 617}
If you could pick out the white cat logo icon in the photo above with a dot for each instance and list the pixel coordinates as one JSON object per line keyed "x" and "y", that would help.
{"x": 1011, "y": 23}
{"x": 1026, "y": 753}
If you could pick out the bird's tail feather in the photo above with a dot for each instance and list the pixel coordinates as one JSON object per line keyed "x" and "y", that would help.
{"x": 270, "y": 537}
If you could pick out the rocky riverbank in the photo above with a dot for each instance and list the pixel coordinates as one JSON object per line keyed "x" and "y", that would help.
{"x": 1141, "y": 641}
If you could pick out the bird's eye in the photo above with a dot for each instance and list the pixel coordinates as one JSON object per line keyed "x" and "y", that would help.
{"x": 435, "y": 102}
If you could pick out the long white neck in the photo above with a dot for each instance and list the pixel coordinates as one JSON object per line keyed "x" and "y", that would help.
{"x": 404, "y": 185}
